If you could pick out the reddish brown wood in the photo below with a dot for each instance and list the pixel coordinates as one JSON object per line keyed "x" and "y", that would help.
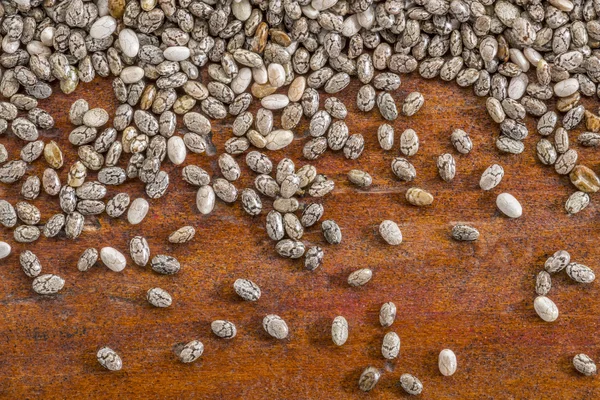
{"x": 474, "y": 298}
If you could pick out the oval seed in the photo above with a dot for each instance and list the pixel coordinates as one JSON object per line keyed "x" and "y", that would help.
{"x": 30, "y": 264}
{"x": 491, "y": 177}
{"x": 387, "y": 314}
{"x": 12, "y": 171}
{"x": 566, "y": 87}
{"x": 577, "y": 202}
{"x": 274, "y": 225}
{"x": 191, "y": 351}
{"x": 566, "y": 162}
{"x": 463, "y": 232}
{"x": 247, "y": 289}
{"x": 275, "y": 326}
{"x": 411, "y": 384}
{"x": 495, "y": 110}
{"x": 74, "y": 224}
{"x": 289, "y": 186}
{"x": 129, "y": 42}
{"x": 312, "y": 214}
{"x": 290, "y": 248}
{"x": 113, "y": 259}
{"x": 54, "y": 225}
{"x": 390, "y": 346}
{"x": 48, "y": 284}
{"x": 390, "y": 232}
{"x": 205, "y": 199}
{"x": 319, "y": 123}
{"x": 546, "y": 152}
{"x": 331, "y": 232}
{"x": 176, "y": 150}
{"x": 32, "y": 151}
{"x": 275, "y": 101}
{"x": 117, "y": 205}
{"x": 314, "y": 258}
{"x": 195, "y": 175}
{"x": 336, "y": 108}
{"x": 26, "y": 234}
{"x": 543, "y": 283}
{"x": 291, "y": 116}
{"x": 77, "y": 110}
{"x": 223, "y": 329}
{"x": 339, "y": 330}
{"x": 24, "y": 129}
{"x": 580, "y": 273}
{"x": 109, "y": 359}
{"x": 368, "y": 379}
{"x": 165, "y": 265}
{"x": 87, "y": 259}
{"x": 95, "y": 117}
{"x": 338, "y": 138}
{"x": 139, "y": 250}
{"x": 354, "y": 145}
{"x": 446, "y": 167}
{"x": 264, "y": 121}
{"x": 509, "y": 205}
{"x": 8, "y": 214}
{"x": 229, "y": 167}
{"x": 67, "y": 199}
{"x": 285, "y": 205}
{"x": 412, "y": 103}
{"x": 584, "y": 179}
{"x": 224, "y": 190}
{"x": 387, "y": 106}
{"x": 360, "y": 178}
{"x": 403, "y": 169}
{"x": 447, "y": 362}
{"x": 360, "y": 277}
{"x": 159, "y": 298}
{"x": 137, "y": 211}
{"x": 293, "y": 227}
{"x": 409, "y": 142}
{"x": 28, "y": 213}
{"x": 182, "y": 235}
{"x": 545, "y": 308}
{"x": 418, "y": 197}
{"x": 385, "y": 136}
{"x": 557, "y": 262}
{"x": 251, "y": 202}
{"x": 4, "y": 250}
{"x": 461, "y": 141}
{"x": 259, "y": 162}
{"x": 584, "y": 364}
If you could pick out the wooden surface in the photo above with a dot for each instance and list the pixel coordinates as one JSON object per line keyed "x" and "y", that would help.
{"x": 474, "y": 298}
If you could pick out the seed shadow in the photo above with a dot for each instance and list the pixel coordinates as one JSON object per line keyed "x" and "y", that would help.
{"x": 350, "y": 381}
{"x": 432, "y": 362}
{"x": 339, "y": 279}
{"x": 566, "y": 364}
{"x": 258, "y": 332}
{"x": 373, "y": 346}
{"x": 203, "y": 326}
{"x": 392, "y": 386}
{"x": 372, "y": 313}
{"x": 318, "y": 333}
{"x": 226, "y": 292}
{"x": 390, "y": 365}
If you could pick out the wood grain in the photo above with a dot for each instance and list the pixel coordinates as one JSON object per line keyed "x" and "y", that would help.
{"x": 474, "y": 298}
